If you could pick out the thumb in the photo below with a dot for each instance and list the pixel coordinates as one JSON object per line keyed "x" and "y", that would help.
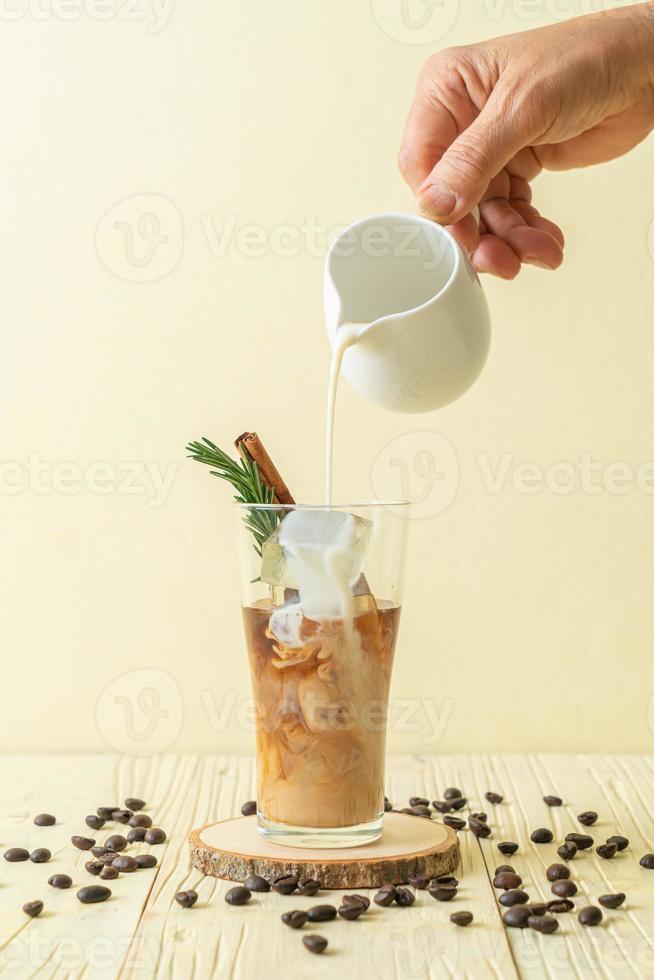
{"x": 461, "y": 177}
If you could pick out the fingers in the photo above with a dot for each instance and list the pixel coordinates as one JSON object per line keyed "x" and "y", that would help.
{"x": 532, "y": 245}
{"x": 429, "y": 130}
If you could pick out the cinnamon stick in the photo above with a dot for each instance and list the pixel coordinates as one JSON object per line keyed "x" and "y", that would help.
{"x": 251, "y": 448}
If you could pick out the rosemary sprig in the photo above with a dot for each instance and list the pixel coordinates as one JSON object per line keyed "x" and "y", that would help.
{"x": 244, "y": 476}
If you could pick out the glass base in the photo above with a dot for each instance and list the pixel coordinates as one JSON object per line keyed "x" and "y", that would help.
{"x": 327, "y": 837}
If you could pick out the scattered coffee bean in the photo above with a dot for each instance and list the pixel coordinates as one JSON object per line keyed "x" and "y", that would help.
{"x": 356, "y": 900}
{"x": 478, "y": 827}
{"x": 255, "y": 883}
{"x": 456, "y": 823}
{"x": 107, "y": 857}
{"x": 44, "y": 820}
{"x": 108, "y": 872}
{"x": 553, "y": 800}
{"x": 612, "y": 901}
{"x": 564, "y": 888}
{"x": 105, "y": 812}
{"x": 483, "y": 817}
{"x": 155, "y": 835}
{"x": 504, "y": 867}
{"x": 308, "y": 886}
{"x": 33, "y": 909}
{"x": 295, "y": 919}
{"x": 60, "y": 881}
{"x": 588, "y": 818}
{"x": 94, "y": 867}
{"x": 125, "y": 864}
{"x": 567, "y": 850}
{"x": 418, "y": 801}
{"x": 514, "y": 897}
{"x": 542, "y": 835}
{"x": 93, "y": 893}
{"x": 647, "y": 861}
{"x": 493, "y": 797}
{"x": 442, "y": 806}
{"x": 315, "y": 944}
{"x": 446, "y": 880}
{"x": 20, "y": 854}
{"x": 557, "y": 871}
{"x": 507, "y": 847}
{"x": 507, "y": 880}
{"x": 590, "y": 916}
{"x": 82, "y": 843}
{"x": 457, "y": 802}
{"x": 452, "y": 793}
{"x": 405, "y": 897}
{"x": 321, "y": 913}
{"x": 385, "y": 896}
{"x": 620, "y": 841}
{"x": 94, "y": 821}
{"x": 285, "y": 884}
{"x": 122, "y": 816}
{"x": 136, "y": 835}
{"x": 186, "y": 899}
{"x": 583, "y": 841}
{"x": 418, "y": 810}
{"x": 133, "y": 803}
{"x": 388, "y": 806}
{"x": 40, "y": 855}
{"x": 542, "y": 923}
{"x": 351, "y": 912}
{"x": 606, "y": 850}
{"x": 560, "y": 905}
{"x": 116, "y": 843}
{"x": 140, "y": 820}
{"x": 147, "y": 861}
{"x": 461, "y": 918}
{"x": 419, "y": 882}
{"x": 249, "y": 808}
{"x": 238, "y": 895}
{"x": 517, "y": 917}
{"x": 442, "y": 892}
{"x": 537, "y": 908}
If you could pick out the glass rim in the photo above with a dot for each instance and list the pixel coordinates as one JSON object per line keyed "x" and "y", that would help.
{"x": 358, "y": 504}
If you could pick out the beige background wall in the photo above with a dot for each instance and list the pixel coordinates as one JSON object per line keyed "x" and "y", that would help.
{"x": 249, "y": 131}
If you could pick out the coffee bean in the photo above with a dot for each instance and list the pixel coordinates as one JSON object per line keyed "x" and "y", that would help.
{"x": 321, "y": 913}
{"x": 82, "y": 843}
{"x": 504, "y": 867}
{"x": 155, "y": 835}
{"x": 60, "y": 881}
{"x": 647, "y": 860}
{"x": 452, "y": 793}
{"x": 619, "y": 841}
{"x": 590, "y": 916}
{"x": 285, "y": 884}
{"x": 507, "y": 847}
{"x": 187, "y": 899}
{"x": 479, "y": 828}
{"x": 94, "y": 821}
{"x": 542, "y": 923}
{"x": 255, "y": 883}
{"x": 559, "y": 905}
{"x": 446, "y": 880}
{"x": 553, "y": 800}
{"x": 442, "y": 806}
{"x": 351, "y": 912}
{"x": 567, "y": 850}
{"x": 308, "y": 886}
{"x": 583, "y": 841}
{"x": 418, "y": 801}
{"x": 418, "y": 810}
{"x": 125, "y": 864}
{"x": 115, "y": 843}
{"x": 40, "y": 855}
{"x": 564, "y": 888}
{"x": 457, "y": 802}
{"x": 612, "y": 901}
{"x": 514, "y": 897}
{"x": 356, "y": 900}
{"x": 93, "y": 893}
{"x": 315, "y": 944}
{"x": 516, "y": 917}
{"x": 238, "y": 895}
{"x": 295, "y": 919}
{"x": 405, "y": 897}
{"x": 140, "y": 820}
{"x": 20, "y": 854}
{"x": 122, "y": 816}
{"x": 105, "y": 812}
{"x": 588, "y": 818}
{"x": 385, "y": 896}
{"x": 133, "y": 803}
{"x": 442, "y": 892}
{"x": 555, "y": 872}
{"x": 33, "y": 909}
{"x": 419, "y": 881}
{"x": 388, "y": 806}
{"x": 249, "y": 808}
{"x": 537, "y": 908}
{"x": 136, "y": 835}
{"x": 147, "y": 861}
{"x": 108, "y": 872}
{"x": 94, "y": 867}
{"x": 606, "y": 850}
{"x": 456, "y": 823}
{"x": 483, "y": 817}
{"x": 542, "y": 835}
{"x": 493, "y": 797}
{"x": 107, "y": 857}
{"x": 507, "y": 880}
{"x": 461, "y": 918}
{"x": 44, "y": 820}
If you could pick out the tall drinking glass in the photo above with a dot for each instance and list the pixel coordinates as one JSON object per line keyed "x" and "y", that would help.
{"x": 321, "y": 610}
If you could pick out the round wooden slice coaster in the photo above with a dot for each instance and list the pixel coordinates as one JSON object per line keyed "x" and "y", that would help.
{"x": 409, "y": 846}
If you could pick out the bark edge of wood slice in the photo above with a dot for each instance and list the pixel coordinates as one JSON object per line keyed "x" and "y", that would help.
{"x": 233, "y": 849}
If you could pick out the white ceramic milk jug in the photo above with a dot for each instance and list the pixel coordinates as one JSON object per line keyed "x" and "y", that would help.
{"x": 423, "y": 326}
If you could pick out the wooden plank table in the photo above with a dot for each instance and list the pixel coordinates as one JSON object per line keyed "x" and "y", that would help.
{"x": 142, "y": 932}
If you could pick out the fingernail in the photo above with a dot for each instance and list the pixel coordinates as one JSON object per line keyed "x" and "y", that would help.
{"x": 437, "y": 201}
{"x": 538, "y": 263}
